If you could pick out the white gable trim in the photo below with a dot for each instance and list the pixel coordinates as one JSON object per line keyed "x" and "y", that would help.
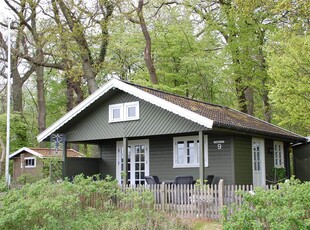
{"x": 114, "y": 83}
{"x": 25, "y": 149}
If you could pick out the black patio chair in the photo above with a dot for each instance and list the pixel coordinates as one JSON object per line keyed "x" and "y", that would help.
{"x": 210, "y": 179}
{"x": 152, "y": 179}
{"x": 184, "y": 180}
{"x": 182, "y": 197}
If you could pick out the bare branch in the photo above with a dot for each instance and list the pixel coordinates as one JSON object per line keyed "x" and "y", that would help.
{"x": 164, "y": 4}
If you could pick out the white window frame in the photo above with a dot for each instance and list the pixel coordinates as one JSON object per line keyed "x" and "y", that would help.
{"x": 123, "y": 107}
{"x": 130, "y": 105}
{"x": 29, "y": 166}
{"x": 278, "y": 154}
{"x": 196, "y": 149}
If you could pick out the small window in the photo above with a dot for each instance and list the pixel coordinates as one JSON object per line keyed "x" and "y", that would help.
{"x": 278, "y": 154}
{"x": 131, "y": 110}
{"x": 116, "y": 113}
{"x": 30, "y": 162}
{"x": 186, "y": 152}
{"x": 124, "y": 112}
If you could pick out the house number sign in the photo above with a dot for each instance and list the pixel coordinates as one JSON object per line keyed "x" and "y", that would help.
{"x": 219, "y": 144}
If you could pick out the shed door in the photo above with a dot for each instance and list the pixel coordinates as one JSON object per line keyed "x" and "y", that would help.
{"x": 138, "y": 161}
{"x": 258, "y": 162}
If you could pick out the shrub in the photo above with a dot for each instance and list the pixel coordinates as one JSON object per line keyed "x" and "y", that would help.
{"x": 284, "y": 207}
{"x": 69, "y": 205}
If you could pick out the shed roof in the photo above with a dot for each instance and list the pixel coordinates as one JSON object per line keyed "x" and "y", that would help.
{"x": 46, "y": 152}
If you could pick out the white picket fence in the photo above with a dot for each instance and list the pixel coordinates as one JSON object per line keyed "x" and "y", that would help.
{"x": 195, "y": 201}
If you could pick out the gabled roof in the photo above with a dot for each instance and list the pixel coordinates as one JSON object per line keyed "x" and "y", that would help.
{"x": 206, "y": 114}
{"x": 46, "y": 152}
{"x": 133, "y": 90}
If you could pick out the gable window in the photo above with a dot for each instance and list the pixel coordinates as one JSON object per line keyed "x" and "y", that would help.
{"x": 278, "y": 154}
{"x": 124, "y": 112}
{"x": 115, "y": 112}
{"x": 186, "y": 151}
{"x": 30, "y": 162}
{"x": 131, "y": 110}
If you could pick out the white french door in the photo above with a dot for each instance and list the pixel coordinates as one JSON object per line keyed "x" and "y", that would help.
{"x": 138, "y": 161}
{"x": 258, "y": 162}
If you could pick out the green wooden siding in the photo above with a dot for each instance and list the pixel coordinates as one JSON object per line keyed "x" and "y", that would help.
{"x": 302, "y": 161}
{"x": 220, "y": 159}
{"x": 243, "y": 160}
{"x": 153, "y": 121}
{"x": 108, "y": 158}
{"x": 161, "y": 159}
{"x": 269, "y": 159}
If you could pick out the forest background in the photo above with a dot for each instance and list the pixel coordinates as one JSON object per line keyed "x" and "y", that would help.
{"x": 251, "y": 55}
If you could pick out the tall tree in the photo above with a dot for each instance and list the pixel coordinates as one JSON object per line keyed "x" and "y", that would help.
{"x": 242, "y": 26}
{"x": 75, "y": 20}
{"x": 289, "y": 66}
{"x": 148, "y": 42}
{"x": 18, "y": 74}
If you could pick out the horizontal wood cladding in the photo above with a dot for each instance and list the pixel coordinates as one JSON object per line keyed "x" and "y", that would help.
{"x": 161, "y": 159}
{"x": 108, "y": 158}
{"x": 243, "y": 160}
{"x": 302, "y": 161}
{"x": 87, "y": 166}
{"x": 153, "y": 121}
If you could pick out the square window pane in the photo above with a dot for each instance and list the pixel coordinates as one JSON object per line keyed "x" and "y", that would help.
{"x": 131, "y": 111}
{"x": 116, "y": 113}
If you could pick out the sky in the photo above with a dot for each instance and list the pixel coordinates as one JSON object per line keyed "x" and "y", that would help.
{"x": 3, "y": 10}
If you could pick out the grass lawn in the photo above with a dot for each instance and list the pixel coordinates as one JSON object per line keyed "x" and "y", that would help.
{"x": 202, "y": 224}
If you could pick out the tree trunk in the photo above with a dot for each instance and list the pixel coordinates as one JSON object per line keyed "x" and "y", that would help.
{"x": 148, "y": 45}
{"x": 3, "y": 152}
{"x": 242, "y": 102}
{"x": 263, "y": 67}
{"x": 17, "y": 91}
{"x": 248, "y": 92}
{"x": 73, "y": 87}
{"x": 41, "y": 97}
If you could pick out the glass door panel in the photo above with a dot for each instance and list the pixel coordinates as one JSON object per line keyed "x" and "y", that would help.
{"x": 138, "y": 165}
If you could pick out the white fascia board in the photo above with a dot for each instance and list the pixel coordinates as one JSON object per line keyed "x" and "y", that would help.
{"x": 190, "y": 115}
{"x": 76, "y": 110}
{"x": 114, "y": 83}
{"x": 26, "y": 150}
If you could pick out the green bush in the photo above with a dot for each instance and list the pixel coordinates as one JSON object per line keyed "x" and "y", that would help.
{"x": 284, "y": 207}
{"x": 70, "y": 205}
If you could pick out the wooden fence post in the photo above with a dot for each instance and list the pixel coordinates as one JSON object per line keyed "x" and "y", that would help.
{"x": 163, "y": 194}
{"x": 221, "y": 197}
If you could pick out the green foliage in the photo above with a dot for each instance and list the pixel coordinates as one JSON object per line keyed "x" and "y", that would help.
{"x": 285, "y": 207}
{"x": 277, "y": 175}
{"x": 85, "y": 203}
{"x": 52, "y": 168}
{"x": 27, "y": 179}
{"x": 289, "y": 62}
{"x": 19, "y": 130}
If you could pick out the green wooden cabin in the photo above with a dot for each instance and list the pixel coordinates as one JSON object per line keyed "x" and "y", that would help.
{"x": 149, "y": 132}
